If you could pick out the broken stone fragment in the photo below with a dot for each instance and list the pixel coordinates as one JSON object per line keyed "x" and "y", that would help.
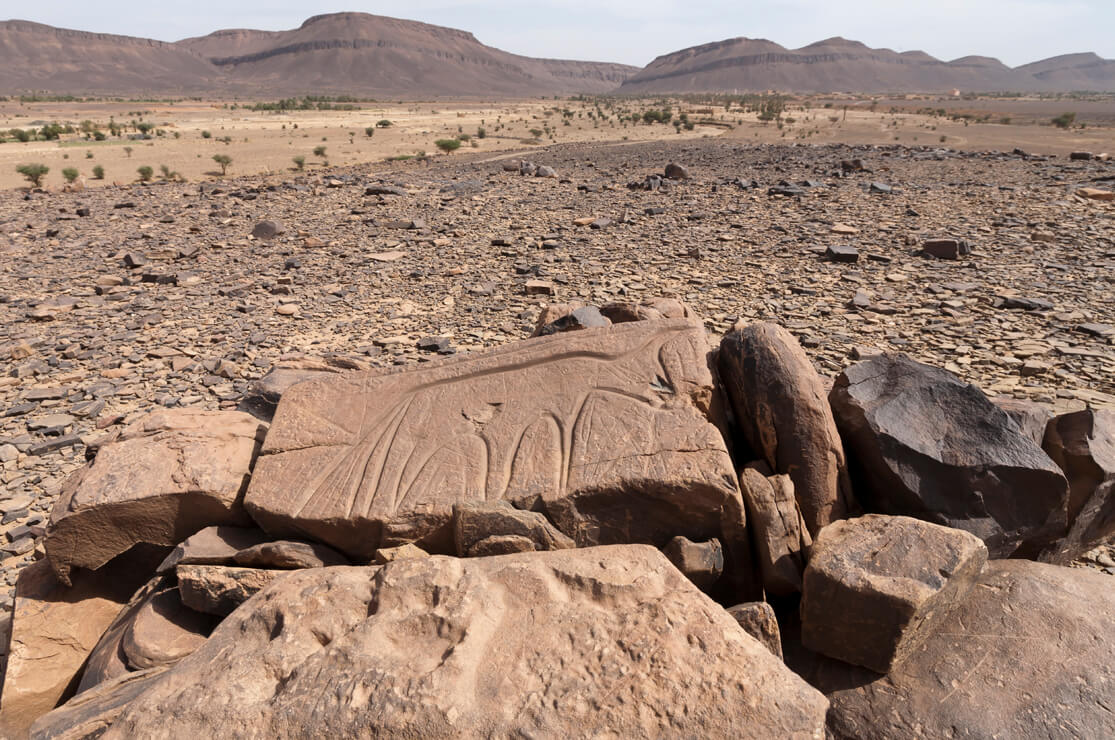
{"x": 219, "y": 589}
{"x": 477, "y": 521}
{"x": 289, "y": 555}
{"x": 758, "y": 620}
{"x": 168, "y": 475}
{"x": 1083, "y": 445}
{"x": 700, "y": 562}
{"x": 781, "y": 538}
{"x": 877, "y": 587}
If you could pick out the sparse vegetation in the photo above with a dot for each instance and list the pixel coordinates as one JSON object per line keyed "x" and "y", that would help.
{"x": 448, "y": 145}
{"x": 98, "y": 173}
{"x": 71, "y": 174}
{"x": 370, "y": 131}
{"x": 34, "y": 173}
{"x": 223, "y": 161}
{"x": 207, "y": 134}
{"x": 299, "y": 163}
{"x": 145, "y": 173}
{"x": 319, "y": 151}
{"x": 1065, "y": 120}
{"x": 383, "y": 123}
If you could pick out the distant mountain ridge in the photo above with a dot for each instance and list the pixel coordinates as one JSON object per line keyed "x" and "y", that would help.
{"x": 353, "y": 53}
{"x": 838, "y": 64}
{"x": 362, "y": 54}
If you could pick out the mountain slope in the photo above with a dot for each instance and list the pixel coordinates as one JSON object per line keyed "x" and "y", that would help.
{"x": 839, "y": 64}
{"x": 36, "y": 57}
{"x": 352, "y": 53}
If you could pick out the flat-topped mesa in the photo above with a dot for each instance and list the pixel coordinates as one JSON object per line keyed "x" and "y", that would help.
{"x": 605, "y": 431}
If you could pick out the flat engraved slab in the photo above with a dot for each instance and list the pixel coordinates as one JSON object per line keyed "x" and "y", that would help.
{"x": 604, "y": 430}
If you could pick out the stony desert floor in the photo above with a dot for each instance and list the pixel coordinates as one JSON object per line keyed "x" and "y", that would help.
{"x": 266, "y": 142}
{"x": 117, "y": 300}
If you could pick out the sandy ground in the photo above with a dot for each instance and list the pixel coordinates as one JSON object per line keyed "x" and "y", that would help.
{"x": 266, "y": 142}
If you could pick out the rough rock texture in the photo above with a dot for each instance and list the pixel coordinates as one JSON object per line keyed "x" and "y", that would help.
{"x": 218, "y": 589}
{"x": 213, "y": 546}
{"x": 927, "y": 445}
{"x": 90, "y": 713}
{"x": 651, "y": 309}
{"x": 603, "y": 430}
{"x": 1083, "y": 445}
{"x": 54, "y": 629}
{"x": 1030, "y": 416}
{"x": 164, "y": 631}
{"x": 289, "y": 555}
{"x": 878, "y": 586}
{"x": 108, "y": 660}
{"x": 516, "y": 646}
{"x": 168, "y": 475}
{"x": 758, "y": 620}
{"x": 780, "y": 405}
{"x": 1030, "y": 653}
{"x": 781, "y": 538}
{"x": 700, "y": 562}
{"x": 386, "y": 555}
{"x": 263, "y": 397}
{"x": 475, "y": 522}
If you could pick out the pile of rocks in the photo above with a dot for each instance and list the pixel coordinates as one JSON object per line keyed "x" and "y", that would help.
{"x": 610, "y": 528}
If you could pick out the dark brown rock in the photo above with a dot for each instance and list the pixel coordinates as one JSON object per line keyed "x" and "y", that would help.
{"x": 758, "y": 620}
{"x": 927, "y": 445}
{"x": 781, "y": 538}
{"x": 1083, "y": 445}
{"x": 700, "y": 562}
{"x": 1030, "y": 416}
{"x": 877, "y": 587}
{"x": 780, "y": 406}
{"x": 213, "y": 546}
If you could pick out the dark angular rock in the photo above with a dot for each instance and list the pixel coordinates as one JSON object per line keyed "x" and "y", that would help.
{"x": 1083, "y": 445}
{"x": 701, "y": 562}
{"x": 842, "y": 253}
{"x": 927, "y": 445}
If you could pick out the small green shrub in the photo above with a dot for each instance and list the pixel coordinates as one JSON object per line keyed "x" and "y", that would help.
{"x": 448, "y": 145}
{"x": 98, "y": 173}
{"x": 223, "y": 160}
{"x": 206, "y": 135}
{"x": 319, "y": 151}
{"x": 70, "y": 173}
{"x": 33, "y": 172}
{"x": 299, "y": 162}
{"x": 145, "y": 173}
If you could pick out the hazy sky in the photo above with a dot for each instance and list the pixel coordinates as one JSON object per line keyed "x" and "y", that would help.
{"x": 636, "y": 31}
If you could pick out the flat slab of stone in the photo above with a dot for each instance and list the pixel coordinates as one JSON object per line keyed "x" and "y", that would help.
{"x": 925, "y": 444}
{"x": 218, "y": 589}
{"x": 168, "y": 475}
{"x": 526, "y": 645}
{"x": 1029, "y": 653}
{"x": 604, "y": 430}
{"x": 876, "y": 587}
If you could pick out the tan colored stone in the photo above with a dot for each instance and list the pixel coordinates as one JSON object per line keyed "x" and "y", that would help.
{"x": 602, "y": 430}
{"x": 1083, "y": 445}
{"x": 168, "y": 475}
{"x": 592, "y": 642}
{"x": 877, "y": 587}
{"x": 781, "y": 406}
{"x": 164, "y": 631}
{"x": 758, "y": 620}
{"x": 386, "y": 555}
{"x": 217, "y": 589}
{"x": 54, "y": 629}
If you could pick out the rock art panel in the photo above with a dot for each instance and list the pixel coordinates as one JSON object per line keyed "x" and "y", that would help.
{"x": 603, "y": 430}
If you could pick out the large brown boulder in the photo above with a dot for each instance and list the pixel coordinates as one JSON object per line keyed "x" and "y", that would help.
{"x": 781, "y": 407}
{"x": 603, "y": 430}
{"x": 927, "y": 445}
{"x": 595, "y": 642}
{"x": 1029, "y": 653}
{"x": 54, "y": 629}
{"x": 877, "y": 587}
{"x": 1083, "y": 445}
{"x": 168, "y": 475}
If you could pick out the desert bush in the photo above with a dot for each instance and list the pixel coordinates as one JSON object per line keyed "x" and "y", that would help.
{"x": 223, "y": 160}
{"x": 98, "y": 173}
{"x": 370, "y": 131}
{"x": 448, "y": 145}
{"x": 206, "y": 134}
{"x": 33, "y": 172}
{"x": 319, "y": 151}
{"x": 481, "y": 132}
{"x": 384, "y": 123}
{"x": 299, "y": 162}
{"x": 1065, "y": 120}
{"x": 128, "y": 151}
{"x": 145, "y": 173}
{"x": 89, "y": 155}
{"x": 71, "y": 174}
